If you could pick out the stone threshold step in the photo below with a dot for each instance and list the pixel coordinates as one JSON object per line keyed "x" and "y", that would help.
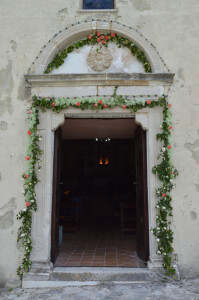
{"x": 57, "y": 284}
{"x": 65, "y": 276}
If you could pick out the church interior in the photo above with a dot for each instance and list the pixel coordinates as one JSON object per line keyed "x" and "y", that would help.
{"x": 97, "y": 194}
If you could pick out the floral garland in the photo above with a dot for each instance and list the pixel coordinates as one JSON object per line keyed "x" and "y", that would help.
{"x": 101, "y": 39}
{"x": 33, "y": 153}
{"x": 165, "y": 170}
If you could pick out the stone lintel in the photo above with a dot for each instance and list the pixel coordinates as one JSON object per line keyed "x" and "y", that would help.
{"x": 111, "y": 79}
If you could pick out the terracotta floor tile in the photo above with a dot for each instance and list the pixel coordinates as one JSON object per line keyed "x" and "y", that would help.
{"x": 111, "y": 264}
{"x": 107, "y": 256}
{"x": 110, "y": 257}
{"x": 87, "y": 258}
{"x": 82, "y": 264}
{"x": 76, "y": 256}
{"x": 99, "y": 255}
{"x": 70, "y": 264}
{"x": 100, "y": 250}
{"x": 99, "y": 245}
{"x": 141, "y": 264}
{"x": 99, "y": 264}
{"x": 76, "y": 259}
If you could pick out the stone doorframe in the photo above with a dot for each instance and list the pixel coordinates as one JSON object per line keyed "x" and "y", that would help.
{"x": 78, "y": 85}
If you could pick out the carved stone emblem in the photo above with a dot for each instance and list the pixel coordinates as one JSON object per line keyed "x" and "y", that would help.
{"x": 99, "y": 59}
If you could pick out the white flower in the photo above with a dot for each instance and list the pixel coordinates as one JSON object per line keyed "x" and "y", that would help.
{"x": 158, "y": 206}
{"x": 40, "y": 139}
{"x": 156, "y": 217}
{"x": 171, "y": 180}
{"x": 157, "y": 240}
{"x": 158, "y": 228}
{"x": 158, "y": 252}
{"x": 163, "y": 149}
{"x": 24, "y": 209}
{"x": 165, "y": 228}
{"x": 32, "y": 200}
{"x": 164, "y": 207}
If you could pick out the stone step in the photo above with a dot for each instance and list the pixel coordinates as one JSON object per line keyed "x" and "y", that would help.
{"x": 78, "y": 276}
{"x": 99, "y": 274}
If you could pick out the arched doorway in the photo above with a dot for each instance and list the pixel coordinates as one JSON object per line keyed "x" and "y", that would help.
{"x": 56, "y": 85}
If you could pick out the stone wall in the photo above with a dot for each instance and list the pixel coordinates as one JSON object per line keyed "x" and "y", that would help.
{"x": 172, "y": 26}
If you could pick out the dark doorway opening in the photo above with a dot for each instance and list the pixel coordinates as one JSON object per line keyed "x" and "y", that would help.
{"x": 100, "y": 210}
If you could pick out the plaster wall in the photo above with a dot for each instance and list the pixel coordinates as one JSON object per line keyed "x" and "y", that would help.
{"x": 122, "y": 61}
{"x": 172, "y": 26}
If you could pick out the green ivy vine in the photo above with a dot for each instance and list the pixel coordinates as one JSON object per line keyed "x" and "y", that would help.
{"x": 164, "y": 170}
{"x": 101, "y": 39}
{"x": 166, "y": 174}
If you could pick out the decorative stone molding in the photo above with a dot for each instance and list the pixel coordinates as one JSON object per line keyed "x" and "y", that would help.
{"x": 125, "y": 79}
{"x": 99, "y": 59}
{"x": 57, "y": 120}
{"x": 78, "y": 31}
{"x": 141, "y": 118}
{"x": 149, "y": 119}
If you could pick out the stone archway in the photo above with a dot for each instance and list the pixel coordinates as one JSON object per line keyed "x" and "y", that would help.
{"x": 153, "y": 84}
{"x": 75, "y": 32}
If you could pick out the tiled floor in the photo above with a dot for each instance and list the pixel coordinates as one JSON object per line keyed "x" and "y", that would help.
{"x": 100, "y": 244}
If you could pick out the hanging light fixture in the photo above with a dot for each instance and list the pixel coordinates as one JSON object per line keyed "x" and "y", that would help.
{"x": 102, "y": 140}
{"x": 103, "y": 151}
{"x": 104, "y": 157}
